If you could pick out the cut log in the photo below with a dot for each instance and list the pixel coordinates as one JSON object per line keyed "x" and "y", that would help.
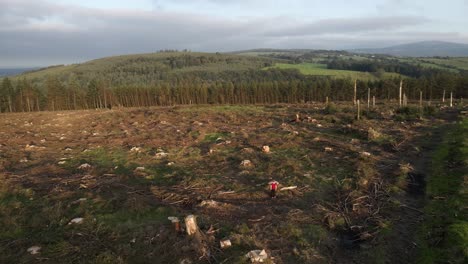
{"x": 288, "y": 188}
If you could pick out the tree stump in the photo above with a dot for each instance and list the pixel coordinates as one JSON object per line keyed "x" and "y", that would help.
{"x": 199, "y": 240}
{"x": 191, "y": 225}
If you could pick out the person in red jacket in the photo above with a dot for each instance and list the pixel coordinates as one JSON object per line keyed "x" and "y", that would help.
{"x": 273, "y": 188}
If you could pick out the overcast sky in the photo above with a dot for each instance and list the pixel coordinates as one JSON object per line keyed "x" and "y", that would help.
{"x": 46, "y": 32}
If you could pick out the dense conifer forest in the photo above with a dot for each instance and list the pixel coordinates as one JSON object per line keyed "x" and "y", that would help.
{"x": 172, "y": 78}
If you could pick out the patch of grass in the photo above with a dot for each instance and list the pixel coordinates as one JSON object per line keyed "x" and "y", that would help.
{"x": 407, "y": 113}
{"x": 128, "y": 219}
{"x": 330, "y": 109}
{"x": 103, "y": 161}
{"x": 444, "y": 234}
{"x": 164, "y": 175}
{"x": 322, "y": 70}
{"x": 213, "y": 137}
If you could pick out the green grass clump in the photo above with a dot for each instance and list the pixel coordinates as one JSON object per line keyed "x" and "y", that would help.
{"x": 331, "y": 109}
{"x": 213, "y": 137}
{"x": 444, "y": 234}
{"x": 407, "y": 113}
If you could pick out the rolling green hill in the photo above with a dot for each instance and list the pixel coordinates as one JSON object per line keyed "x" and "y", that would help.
{"x": 148, "y": 68}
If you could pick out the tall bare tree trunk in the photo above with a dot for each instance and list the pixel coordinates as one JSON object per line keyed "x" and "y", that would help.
{"x": 420, "y": 99}
{"x": 368, "y": 98}
{"x": 28, "y": 103}
{"x": 10, "y": 104}
{"x": 105, "y": 98}
{"x": 74, "y": 100}
{"x": 401, "y": 91}
{"x": 355, "y": 92}
{"x": 358, "y": 110}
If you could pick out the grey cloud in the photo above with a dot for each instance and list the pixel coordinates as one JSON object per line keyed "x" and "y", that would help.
{"x": 349, "y": 25}
{"x": 41, "y": 32}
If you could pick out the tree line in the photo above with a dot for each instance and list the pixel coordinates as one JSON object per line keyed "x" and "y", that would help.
{"x": 227, "y": 87}
{"x": 384, "y": 65}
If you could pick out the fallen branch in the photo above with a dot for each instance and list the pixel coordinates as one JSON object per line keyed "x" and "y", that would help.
{"x": 412, "y": 208}
{"x": 226, "y": 192}
{"x": 180, "y": 201}
{"x": 257, "y": 220}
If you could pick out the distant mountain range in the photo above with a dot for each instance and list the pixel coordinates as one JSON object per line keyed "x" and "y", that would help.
{"x": 421, "y": 49}
{"x": 14, "y": 71}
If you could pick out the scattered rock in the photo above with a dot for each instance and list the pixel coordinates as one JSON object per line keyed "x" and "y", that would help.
{"x": 61, "y": 138}
{"x": 319, "y": 125}
{"x": 366, "y": 154}
{"x": 225, "y": 243}
{"x": 244, "y": 172}
{"x": 220, "y": 141}
{"x": 209, "y": 203}
{"x": 373, "y": 134}
{"x": 257, "y": 256}
{"x": 30, "y": 146}
{"x": 139, "y": 168}
{"x": 84, "y": 166}
{"x": 355, "y": 141}
{"x": 133, "y": 241}
{"x": 79, "y": 201}
{"x": 87, "y": 177}
{"x": 328, "y": 149}
{"x": 135, "y": 149}
{"x": 266, "y": 149}
{"x": 246, "y": 163}
{"x": 185, "y": 261}
{"x": 62, "y": 162}
{"x": 161, "y": 155}
{"x": 34, "y": 250}
{"x": 316, "y": 139}
{"x": 24, "y": 160}
{"x": 173, "y": 219}
{"x": 78, "y": 221}
{"x": 170, "y": 163}
{"x": 248, "y": 150}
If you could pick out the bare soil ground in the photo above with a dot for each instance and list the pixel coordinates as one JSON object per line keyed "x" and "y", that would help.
{"x": 354, "y": 201}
